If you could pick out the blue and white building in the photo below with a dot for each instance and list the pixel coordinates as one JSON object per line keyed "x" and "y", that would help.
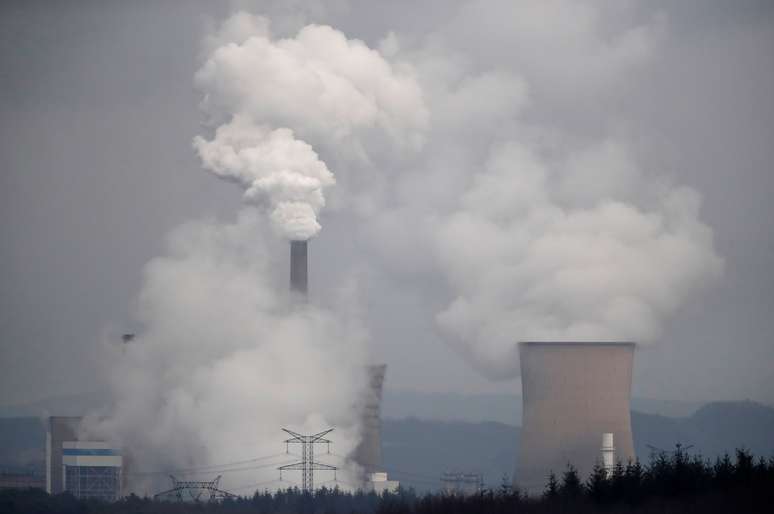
{"x": 86, "y": 469}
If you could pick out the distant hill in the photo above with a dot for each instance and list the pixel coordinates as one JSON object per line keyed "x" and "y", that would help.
{"x": 428, "y": 448}
{"x": 416, "y": 451}
{"x": 22, "y": 444}
{"x": 504, "y": 408}
{"x": 714, "y": 429}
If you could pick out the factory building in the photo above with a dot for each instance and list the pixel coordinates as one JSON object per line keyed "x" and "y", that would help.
{"x": 576, "y": 398}
{"x": 380, "y": 483}
{"x": 21, "y": 480}
{"x": 86, "y": 469}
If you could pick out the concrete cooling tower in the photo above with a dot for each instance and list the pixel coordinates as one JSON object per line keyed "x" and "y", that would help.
{"x": 368, "y": 453}
{"x": 298, "y": 267}
{"x": 572, "y": 394}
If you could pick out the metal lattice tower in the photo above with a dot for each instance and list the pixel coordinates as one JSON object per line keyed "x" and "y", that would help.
{"x": 307, "y": 466}
{"x": 184, "y": 490}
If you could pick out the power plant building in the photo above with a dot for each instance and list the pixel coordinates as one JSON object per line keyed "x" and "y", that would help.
{"x": 572, "y": 393}
{"x": 86, "y": 469}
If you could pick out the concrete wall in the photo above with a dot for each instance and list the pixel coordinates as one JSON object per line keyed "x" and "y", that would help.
{"x": 572, "y": 393}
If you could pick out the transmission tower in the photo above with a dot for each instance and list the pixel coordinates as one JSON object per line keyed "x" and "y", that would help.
{"x": 184, "y": 490}
{"x": 307, "y": 466}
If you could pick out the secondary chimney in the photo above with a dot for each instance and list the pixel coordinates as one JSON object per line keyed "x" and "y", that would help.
{"x": 298, "y": 267}
{"x": 369, "y": 452}
{"x": 608, "y": 453}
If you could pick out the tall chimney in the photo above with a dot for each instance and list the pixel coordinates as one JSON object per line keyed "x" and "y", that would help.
{"x": 298, "y": 267}
{"x": 572, "y": 392}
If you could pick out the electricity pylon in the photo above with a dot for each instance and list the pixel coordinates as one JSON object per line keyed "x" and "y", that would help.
{"x": 184, "y": 490}
{"x": 307, "y": 466}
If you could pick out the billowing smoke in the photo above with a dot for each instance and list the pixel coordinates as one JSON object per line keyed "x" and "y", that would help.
{"x": 260, "y": 91}
{"x": 552, "y": 257}
{"x": 535, "y": 228}
{"x": 224, "y": 363}
{"x": 275, "y": 169}
{"x": 458, "y": 157}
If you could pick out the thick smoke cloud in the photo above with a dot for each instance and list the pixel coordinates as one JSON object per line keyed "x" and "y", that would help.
{"x": 537, "y": 268}
{"x": 448, "y": 162}
{"x": 538, "y": 231}
{"x": 274, "y": 168}
{"x": 328, "y": 89}
{"x": 224, "y": 363}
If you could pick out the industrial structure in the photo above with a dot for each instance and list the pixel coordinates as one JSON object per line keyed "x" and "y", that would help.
{"x": 380, "y": 483}
{"x": 21, "y": 480}
{"x": 368, "y": 453}
{"x": 307, "y": 466}
{"x": 299, "y": 277}
{"x": 572, "y": 393}
{"x": 608, "y": 453}
{"x": 87, "y": 469}
{"x": 193, "y": 490}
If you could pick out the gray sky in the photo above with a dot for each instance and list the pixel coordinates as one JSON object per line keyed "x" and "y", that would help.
{"x": 97, "y": 113}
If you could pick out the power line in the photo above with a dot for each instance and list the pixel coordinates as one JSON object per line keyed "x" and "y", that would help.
{"x": 203, "y": 469}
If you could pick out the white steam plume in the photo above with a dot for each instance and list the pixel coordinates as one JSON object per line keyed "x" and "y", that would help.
{"x": 223, "y": 364}
{"x": 536, "y": 230}
{"x": 323, "y": 86}
{"x": 274, "y": 168}
{"x": 534, "y": 268}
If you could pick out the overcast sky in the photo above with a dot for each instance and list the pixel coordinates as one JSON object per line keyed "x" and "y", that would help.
{"x": 97, "y": 115}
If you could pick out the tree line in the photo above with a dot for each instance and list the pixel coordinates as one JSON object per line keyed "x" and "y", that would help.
{"x": 670, "y": 482}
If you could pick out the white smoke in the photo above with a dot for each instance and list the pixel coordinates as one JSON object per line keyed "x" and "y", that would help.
{"x": 532, "y": 229}
{"x": 224, "y": 363}
{"x": 329, "y": 89}
{"x": 538, "y": 231}
{"x": 274, "y": 168}
{"x": 534, "y": 268}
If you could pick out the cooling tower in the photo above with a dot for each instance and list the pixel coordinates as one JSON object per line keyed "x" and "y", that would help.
{"x": 298, "y": 267}
{"x": 572, "y": 393}
{"x": 368, "y": 453}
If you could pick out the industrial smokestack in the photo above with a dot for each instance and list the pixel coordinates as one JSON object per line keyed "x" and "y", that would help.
{"x": 368, "y": 453}
{"x": 298, "y": 267}
{"x": 571, "y": 393}
{"x": 608, "y": 453}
